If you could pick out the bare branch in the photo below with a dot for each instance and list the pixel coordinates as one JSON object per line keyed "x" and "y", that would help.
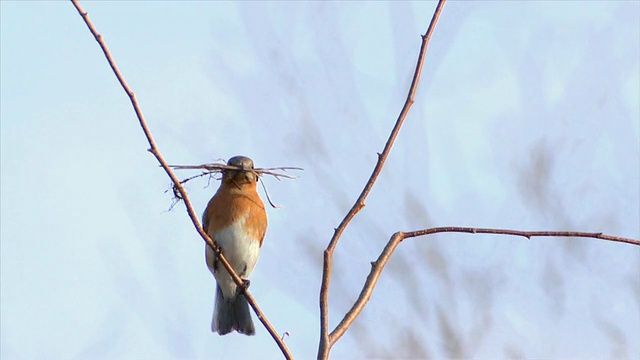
{"x": 378, "y": 265}
{"x": 327, "y": 341}
{"x": 527, "y": 234}
{"x": 153, "y": 149}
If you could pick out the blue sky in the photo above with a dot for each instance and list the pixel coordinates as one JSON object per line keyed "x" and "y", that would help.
{"x": 527, "y": 117}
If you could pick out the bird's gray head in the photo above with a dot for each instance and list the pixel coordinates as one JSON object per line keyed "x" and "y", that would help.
{"x": 246, "y": 175}
{"x": 241, "y": 161}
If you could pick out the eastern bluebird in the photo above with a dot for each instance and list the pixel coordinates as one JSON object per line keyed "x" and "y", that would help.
{"x": 236, "y": 219}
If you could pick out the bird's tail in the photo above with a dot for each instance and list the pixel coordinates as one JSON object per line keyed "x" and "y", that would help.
{"x": 231, "y": 314}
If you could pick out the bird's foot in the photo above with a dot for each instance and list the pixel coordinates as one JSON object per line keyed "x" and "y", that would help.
{"x": 245, "y": 284}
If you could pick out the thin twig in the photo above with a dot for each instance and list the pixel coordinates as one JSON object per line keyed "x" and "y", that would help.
{"x": 153, "y": 149}
{"x": 327, "y": 341}
{"x": 219, "y": 168}
{"x": 266, "y": 193}
{"x": 378, "y": 265}
{"x": 184, "y": 181}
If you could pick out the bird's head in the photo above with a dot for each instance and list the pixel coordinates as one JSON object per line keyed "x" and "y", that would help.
{"x": 244, "y": 175}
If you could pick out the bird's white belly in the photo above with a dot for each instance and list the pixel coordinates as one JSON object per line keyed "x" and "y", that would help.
{"x": 240, "y": 250}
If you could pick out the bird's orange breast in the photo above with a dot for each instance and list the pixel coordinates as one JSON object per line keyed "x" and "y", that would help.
{"x": 232, "y": 203}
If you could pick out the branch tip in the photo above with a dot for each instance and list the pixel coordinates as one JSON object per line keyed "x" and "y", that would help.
{"x": 285, "y": 334}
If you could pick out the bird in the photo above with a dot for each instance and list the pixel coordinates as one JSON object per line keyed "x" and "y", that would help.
{"x": 236, "y": 219}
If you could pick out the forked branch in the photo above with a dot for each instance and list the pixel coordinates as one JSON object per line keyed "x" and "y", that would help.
{"x": 327, "y": 341}
{"x": 378, "y": 265}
